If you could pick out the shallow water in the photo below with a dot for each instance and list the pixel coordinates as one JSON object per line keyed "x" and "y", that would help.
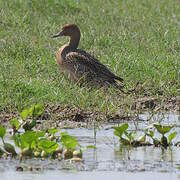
{"x": 108, "y": 160}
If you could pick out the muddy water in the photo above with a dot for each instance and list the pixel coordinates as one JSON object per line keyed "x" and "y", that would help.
{"x": 108, "y": 160}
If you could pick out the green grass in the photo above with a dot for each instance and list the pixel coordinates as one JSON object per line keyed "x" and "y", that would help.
{"x": 138, "y": 39}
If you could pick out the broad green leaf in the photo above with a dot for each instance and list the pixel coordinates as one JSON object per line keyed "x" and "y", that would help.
{"x": 24, "y": 114}
{"x": 53, "y": 131}
{"x": 36, "y": 110}
{"x": 47, "y": 146}
{"x": 29, "y": 138}
{"x": 120, "y": 130}
{"x": 14, "y": 123}
{"x": 70, "y": 142}
{"x": 2, "y": 131}
{"x": 162, "y": 129}
{"x": 171, "y": 137}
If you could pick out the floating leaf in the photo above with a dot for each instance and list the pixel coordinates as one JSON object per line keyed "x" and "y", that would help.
{"x": 14, "y": 123}
{"x": 47, "y": 146}
{"x": 70, "y": 142}
{"x": 120, "y": 130}
{"x": 171, "y": 137}
{"x": 2, "y": 131}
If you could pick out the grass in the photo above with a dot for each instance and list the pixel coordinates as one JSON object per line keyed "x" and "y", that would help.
{"x": 138, "y": 40}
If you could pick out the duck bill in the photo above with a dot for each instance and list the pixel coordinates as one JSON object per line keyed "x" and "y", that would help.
{"x": 58, "y": 35}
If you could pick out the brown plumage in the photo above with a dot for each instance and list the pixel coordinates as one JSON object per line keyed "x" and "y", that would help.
{"x": 79, "y": 65}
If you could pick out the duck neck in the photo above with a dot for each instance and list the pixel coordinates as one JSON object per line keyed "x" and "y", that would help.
{"x": 74, "y": 40}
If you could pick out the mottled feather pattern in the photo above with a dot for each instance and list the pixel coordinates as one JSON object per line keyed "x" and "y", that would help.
{"x": 87, "y": 67}
{"x": 79, "y": 65}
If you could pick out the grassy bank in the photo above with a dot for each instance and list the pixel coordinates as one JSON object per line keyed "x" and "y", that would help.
{"x": 138, "y": 40}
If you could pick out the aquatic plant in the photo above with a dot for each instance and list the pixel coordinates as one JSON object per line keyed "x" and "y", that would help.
{"x": 36, "y": 143}
{"x": 130, "y": 138}
{"x": 162, "y": 129}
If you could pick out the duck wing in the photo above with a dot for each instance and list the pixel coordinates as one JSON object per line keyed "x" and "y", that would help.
{"x": 85, "y": 64}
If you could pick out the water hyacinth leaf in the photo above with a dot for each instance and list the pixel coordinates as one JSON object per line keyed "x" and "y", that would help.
{"x": 2, "y": 131}
{"x": 36, "y": 110}
{"x": 29, "y": 137}
{"x": 70, "y": 142}
{"x": 26, "y": 139}
{"x": 162, "y": 129}
{"x": 14, "y": 123}
{"x": 24, "y": 114}
{"x": 53, "y": 131}
{"x": 120, "y": 130}
{"x": 47, "y": 146}
{"x": 171, "y": 137}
